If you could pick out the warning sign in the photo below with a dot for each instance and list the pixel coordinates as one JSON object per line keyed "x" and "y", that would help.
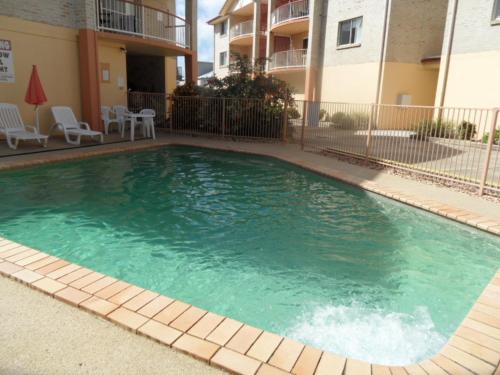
{"x": 6, "y": 61}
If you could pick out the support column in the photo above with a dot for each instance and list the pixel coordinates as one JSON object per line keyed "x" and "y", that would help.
{"x": 270, "y": 38}
{"x": 191, "y": 61}
{"x": 89, "y": 79}
{"x": 256, "y": 30}
{"x": 313, "y": 51}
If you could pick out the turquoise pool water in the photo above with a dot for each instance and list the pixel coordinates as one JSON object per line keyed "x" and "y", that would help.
{"x": 260, "y": 241}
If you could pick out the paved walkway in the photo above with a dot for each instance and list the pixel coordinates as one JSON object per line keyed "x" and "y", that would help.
{"x": 41, "y": 335}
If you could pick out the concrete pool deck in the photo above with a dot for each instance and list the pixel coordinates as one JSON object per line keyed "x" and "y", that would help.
{"x": 49, "y": 337}
{"x": 235, "y": 346}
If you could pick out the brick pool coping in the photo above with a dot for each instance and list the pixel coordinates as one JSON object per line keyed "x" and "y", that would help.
{"x": 232, "y": 345}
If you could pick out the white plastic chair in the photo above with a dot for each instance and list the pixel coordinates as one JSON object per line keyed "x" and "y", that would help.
{"x": 108, "y": 121}
{"x": 66, "y": 121}
{"x": 12, "y": 126}
{"x": 147, "y": 123}
{"x": 121, "y": 116}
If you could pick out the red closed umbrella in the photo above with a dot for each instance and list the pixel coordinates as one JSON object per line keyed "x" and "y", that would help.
{"x": 35, "y": 94}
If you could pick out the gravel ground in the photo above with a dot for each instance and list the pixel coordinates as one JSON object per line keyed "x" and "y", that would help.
{"x": 457, "y": 186}
{"x": 41, "y": 335}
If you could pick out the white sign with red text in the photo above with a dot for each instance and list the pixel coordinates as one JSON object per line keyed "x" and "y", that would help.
{"x": 6, "y": 62}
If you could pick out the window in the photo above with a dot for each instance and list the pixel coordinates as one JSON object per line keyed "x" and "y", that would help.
{"x": 350, "y": 31}
{"x": 305, "y": 43}
{"x": 223, "y": 58}
{"x": 223, "y": 28}
{"x": 496, "y": 11}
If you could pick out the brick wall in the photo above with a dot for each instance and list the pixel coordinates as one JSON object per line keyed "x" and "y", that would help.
{"x": 66, "y": 13}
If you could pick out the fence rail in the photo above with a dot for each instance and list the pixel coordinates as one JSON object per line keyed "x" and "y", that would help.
{"x": 127, "y": 17}
{"x": 457, "y": 144}
{"x": 295, "y": 58}
{"x": 290, "y": 11}
{"x": 228, "y": 117}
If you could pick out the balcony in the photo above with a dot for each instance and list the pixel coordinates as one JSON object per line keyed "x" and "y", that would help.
{"x": 290, "y": 60}
{"x": 126, "y": 17}
{"x": 241, "y": 34}
{"x": 291, "y": 18}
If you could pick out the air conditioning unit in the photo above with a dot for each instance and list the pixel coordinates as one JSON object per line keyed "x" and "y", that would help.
{"x": 404, "y": 99}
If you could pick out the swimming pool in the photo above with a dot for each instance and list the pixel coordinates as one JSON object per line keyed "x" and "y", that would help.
{"x": 260, "y": 241}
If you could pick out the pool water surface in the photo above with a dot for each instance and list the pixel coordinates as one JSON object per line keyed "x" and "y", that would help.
{"x": 262, "y": 242}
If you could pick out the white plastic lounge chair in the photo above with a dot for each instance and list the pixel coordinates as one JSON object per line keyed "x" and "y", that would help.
{"x": 121, "y": 116}
{"x": 107, "y": 120}
{"x": 12, "y": 126}
{"x": 66, "y": 121}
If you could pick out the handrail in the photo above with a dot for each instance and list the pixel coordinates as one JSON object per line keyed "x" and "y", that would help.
{"x": 289, "y": 11}
{"x": 288, "y": 59}
{"x": 158, "y": 10}
{"x": 242, "y": 28}
{"x": 127, "y": 17}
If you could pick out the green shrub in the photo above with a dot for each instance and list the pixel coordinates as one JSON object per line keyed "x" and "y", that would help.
{"x": 323, "y": 114}
{"x": 438, "y": 129}
{"x": 496, "y": 140}
{"x": 293, "y": 113}
{"x": 251, "y": 97}
{"x": 466, "y": 130}
{"x": 344, "y": 120}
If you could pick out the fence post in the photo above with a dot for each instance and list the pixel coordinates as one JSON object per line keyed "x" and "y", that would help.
{"x": 171, "y": 105}
{"x": 223, "y": 117}
{"x": 285, "y": 120}
{"x": 304, "y": 107}
{"x": 369, "y": 133}
{"x": 489, "y": 148}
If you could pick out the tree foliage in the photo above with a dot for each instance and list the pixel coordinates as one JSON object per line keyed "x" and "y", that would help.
{"x": 253, "y": 102}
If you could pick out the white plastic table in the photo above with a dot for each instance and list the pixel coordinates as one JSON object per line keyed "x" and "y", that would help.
{"x": 133, "y": 117}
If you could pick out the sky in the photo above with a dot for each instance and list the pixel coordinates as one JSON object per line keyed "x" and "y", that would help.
{"x": 207, "y": 9}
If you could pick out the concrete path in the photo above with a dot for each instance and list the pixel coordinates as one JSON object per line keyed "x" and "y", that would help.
{"x": 40, "y": 335}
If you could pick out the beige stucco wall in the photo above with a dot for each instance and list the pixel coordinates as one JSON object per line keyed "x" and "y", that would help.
{"x": 170, "y": 74}
{"x": 411, "y": 79}
{"x": 296, "y": 80}
{"x": 352, "y": 83}
{"x": 474, "y": 80}
{"x": 298, "y": 39}
{"x": 111, "y": 54}
{"x": 55, "y": 52}
{"x": 221, "y": 44}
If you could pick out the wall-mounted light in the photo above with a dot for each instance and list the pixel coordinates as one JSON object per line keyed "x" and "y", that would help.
{"x": 124, "y": 50}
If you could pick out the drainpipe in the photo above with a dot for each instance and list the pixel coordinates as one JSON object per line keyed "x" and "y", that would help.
{"x": 383, "y": 52}
{"x": 449, "y": 49}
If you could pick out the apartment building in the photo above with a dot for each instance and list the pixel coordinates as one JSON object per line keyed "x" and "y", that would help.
{"x": 94, "y": 52}
{"x": 443, "y": 52}
{"x": 470, "y": 61}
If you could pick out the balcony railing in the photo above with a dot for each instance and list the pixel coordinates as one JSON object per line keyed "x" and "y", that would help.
{"x": 290, "y": 11}
{"x": 295, "y": 58}
{"x": 242, "y": 28}
{"x": 126, "y": 17}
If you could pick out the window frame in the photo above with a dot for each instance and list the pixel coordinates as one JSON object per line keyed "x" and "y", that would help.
{"x": 223, "y": 27}
{"x": 495, "y": 20}
{"x": 339, "y": 33}
{"x": 223, "y": 53}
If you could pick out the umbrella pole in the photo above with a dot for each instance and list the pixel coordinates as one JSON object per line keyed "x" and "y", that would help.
{"x": 37, "y": 124}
